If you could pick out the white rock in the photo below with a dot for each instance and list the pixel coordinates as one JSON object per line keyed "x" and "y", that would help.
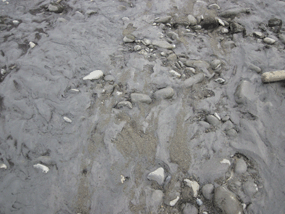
{"x": 66, "y": 119}
{"x": 173, "y": 202}
{"x": 123, "y": 179}
{"x": 3, "y": 166}
{"x": 194, "y": 185}
{"x": 74, "y": 90}
{"x": 174, "y": 73}
{"x": 32, "y": 45}
{"x": 94, "y": 75}
{"x": 137, "y": 47}
{"x": 44, "y": 168}
{"x": 217, "y": 116}
{"x": 158, "y": 175}
{"x": 225, "y": 161}
{"x": 224, "y": 30}
{"x": 16, "y": 22}
{"x": 269, "y": 40}
{"x": 3, "y": 71}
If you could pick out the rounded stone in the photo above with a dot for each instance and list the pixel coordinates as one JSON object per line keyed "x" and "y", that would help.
{"x": 158, "y": 175}
{"x": 240, "y": 166}
{"x": 192, "y": 20}
{"x": 213, "y": 120}
{"x": 165, "y": 93}
{"x": 138, "y": 97}
{"x": 207, "y": 191}
{"x": 250, "y": 188}
{"x": 190, "y": 209}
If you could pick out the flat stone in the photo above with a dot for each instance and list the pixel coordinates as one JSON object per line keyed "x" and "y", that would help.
{"x": 142, "y": 98}
{"x": 158, "y": 175}
{"x": 129, "y": 38}
{"x": 91, "y": 12}
{"x": 227, "y": 201}
{"x": 192, "y": 20}
{"x": 165, "y": 93}
{"x": 269, "y": 41}
{"x": 244, "y": 92}
{"x": 190, "y": 209}
{"x": 94, "y": 75}
{"x": 208, "y": 191}
{"x": 137, "y": 48}
{"x": 259, "y": 35}
{"x": 194, "y": 185}
{"x": 231, "y": 133}
{"x": 282, "y": 38}
{"x": 213, "y": 120}
{"x": 240, "y": 166}
{"x": 164, "y": 19}
{"x": 197, "y": 78}
{"x": 163, "y": 44}
{"x": 54, "y": 7}
{"x": 125, "y": 103}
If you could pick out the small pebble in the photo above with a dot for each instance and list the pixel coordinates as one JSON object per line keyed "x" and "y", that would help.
{"x": 44, "y": 168}
{"x": 129, "y": 38}
{"x": 66, "y": 119}
{"x": 194, "y": 185}
{"x": 174, "y": 73}
{"x": 173, "y": 202}
{"x": 259, "y": 35}
{"x": 137, "y": 48}
{"x": 224, "y": 30}
{"x": 123, "y": 179}
{"x": 199, "y": 202}
{"x": 32, "y": 45}
{"x": 3, "y": 166}
{"x": 125, "y": 103}
{"x": 269, "y": 41}
{"x": 207, "y": 191}
{"x": 3, "y": 71}
{"x": 94, "y": 75}
{"x": 213, "y": 120}
{"x": 192, "y": 20}
{"x": 16, "y": 22}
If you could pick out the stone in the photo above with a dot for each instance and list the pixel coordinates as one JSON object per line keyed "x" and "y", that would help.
{"x": 213, "y": 120}
{"x": 156, "y": 199}
{"x": 192, "y": 20}
{"x": 194, "y": 185}
{"x": 216, "y": 64}
{"x": 157, "y": 175}
{"x": 254, "y": 68}
{"x": 42, "y": 167}
{"x": 165, "y": 93}
{"x": 125, "y": 103}
{"x": 231, "y": 133}
{"x": 240, "y": 166}
{"x": 213, "y": 7}
{"x": 109, "y": 78}
{"x": 250, "y": 188}
{"x": 227, "y": 201}
{"x": 78, "y": 15}
{"x": 259, "y": 35}
{"x": 204, "y": 124}
{"x": 175, "y": 73}
{"x": 66, "y": 119}
{"x": 146, "y": 42}
{"x": 163, "y": 44}
{"x": 197, "y": 78}
{"x": 236, "y": 28}
{"x": 273, "y": 76}
{"x": 56, "y": 8}
{"x": 129, "y": 38}
{"x": 174, "y": 201}
{"x": 244, "y": 92}
{"x": 32, "y": 45}
{"x": 94, "y": 75}
{"x": 190, "y": 209}
{"x": 269, "y": 41}
{"x": 231, "y": 13}
{"x": 228, "y": 125}
{"x": 199, "y": 202}
{"x": 164, "y": 19}
{"x": 224, "y": 30}
{"x": 275, "y": 24}
{"x": 3, "y": 166}
{"x": 16, "y": 22}
{"x": 172, "y": 57}
{"x": 208, "y": 191}
{"x": 209, "y": 23}
{"x": 137, "y": 48}
{"x": 142, "y": 98}
{"x": 282, "y": 38}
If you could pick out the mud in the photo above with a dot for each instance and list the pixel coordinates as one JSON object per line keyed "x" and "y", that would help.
{"x": 99, "y": 159}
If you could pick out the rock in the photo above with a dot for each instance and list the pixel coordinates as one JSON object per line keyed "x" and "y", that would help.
{"x": 172, "y": 57}
{"x": 175, "y": 74}
{"x": 165, "y": 93}
{"x": 224, "y": 30}
{"x": 156, "y": 199}
{"x": 197, "y": 78}
{"x": 164, "y": 19}
{"x": 213, "y": 120}
{"x": 158, "y": 175}
{"x": 174, "y": 201}
{"x": 146, "y": 42}
{"x": 91, "y": 12}
{"x": 192, "y": 20}
{"x": 66, "y": 119}
{"x": 250, "y": 188}
{"x": 259, "y": 35}
{"x": 94, "y": 75}
{"x": 172, "y": 35}
{"x": 228, "y": 125}
{"x": 32, "y": 45}
{"x": 282, "y": 38}
{"x": 227, "y": 201}
{"x": 129, "y": 38}
{"x": 244, "y": 92}
{"x": 190, "y": 209}
{"x": 269, "y": 41}
{"x": 254, "y": 68}
{"x": 142, "y": 98}
{"x": 231, "y": 133}
{"x": 240, "y": 166}
{"x": 109, "y": 78}
{"x": 231, "y": 13}
{"x": 273, "y": 76}
{"x": 207, "y": 191}
{"x": 16, "y": 22}
{"x": 44, "y": 168}
{"x": 137, "y": 48}
{"x": 46, "y": 160}
{"x": 209, "y": 23}
{"x": 54, "y": 7}
{"x": 204, "y": 124}
{"x": 189, "y": 69}
{"x": 78, "y": 15}
{"x": 216, "y": 64}
{"x": 194, "y": 185}
{"x": 275, "y": 24}
{"x": 3, "y": 166}
{"x": 236, "y": 28}
{"x": 163, "y": 44}
{"x": 125, "y": 103}
{"x": 199, "y": 202}
{"x": 213, "y": 7}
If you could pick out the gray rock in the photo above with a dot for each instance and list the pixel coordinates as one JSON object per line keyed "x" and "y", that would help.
{"x": 213, "y": 120}
{"x": 216, "y": 64}
{"x": 209, "y": 23}
{"x": 231, "y": 13}
{"x": 172, "y": 35}
{"x": 250, "y": 188}
{"x": 213, "y": 7}
{"x": 109, "y": 78}
{"x": 199, "y": 202}
{"x": 192, "y": 20}
{"x": 172, "y": 57}
{"x": 231, "y": 133}
{"x": 282, "y": 38}
{"x": 197, "y": 78}
{"x": 236, "y": 28}
{"x": 137, "y": 48}
{"x": 165, "y": 93}
{"x": 227, "y": 201}
{"x": 129, "y": 38}
{"x": 259, "y": 35}
{"x": 240, "y": 166}
{"x": 275, "y": 24}
{"x": 158, "y": 175}
{"x": 164, "y": 19}
{"x": 244, "y": 92}
{"x": 228, "y": 125}
{"x": 156, "y": 198}
{"x": 190, "y": 209}
{"x": 163, "y": 44}
{"x": 269, "y": 41}
{"x": 208, "y": 191}
{"x": 204, "y": 124}
{"x": 146, "y": 42}
{"x": 142, "y": 98}
{"x": 54, "y": 7}
{"x": 254, "y": 68}
{"x": 125, "y": 103}
{"x": 91, "y": 12}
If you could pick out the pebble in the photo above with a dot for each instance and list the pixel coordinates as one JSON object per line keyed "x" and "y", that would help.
{"x": 250, "y": 188}
{"x": 213, "y": 120}
{"x": 142, "y": 98}
{"x": 199, "y": 202}
{"x": 269, "y": 41}
{"x": 158, "y": 175}
{"x": 129, "y": 38}
{"x": 189, "y": 69}
{"x": 190, "y": 209}
{"x": 146, "y": 42}
{"x": 194, "y": 185}
{"x": 91, "y": 12}
{"x": 66, "y": 119}
{"x": 213, "y": 7}
{"x": 192, "y": 20}
{"x": 172, "y": 57}
{"x": 227, "y": 201}
{"x": 282, "y": 38}
{"x": 197, "y": 78}
{"x": 231, "y": 132}
{"x": 254, "y": 68}
{"x": 53, "y": 7}
{"x": 259, "y": 35}
{"x": 204, "y": 124}
{"x": 164, "y": 19}
{"x": 123, "y": 179}
{"x": 44, "y": 168}
{"x": 240, "y": 166}
{"x": 137, "y": 47}
{"x": 236, "y": 28}
{"x": 228, "y": 125}
{"x": 3, "y": 166}
{"x": 3, "y": 71}
{"x": 156, "y": 198}
{"x": 216, "y": 64}
{"x": 16, "y": 22}
{"x": 174, "y": 73}
{"x": 220, "y": 80}
{"x": 165, "y": 93}
{"x": 163, "y": 44}
{"x": 207, "y": 191}
{"x": 231, "y": 13}
{"x": 221, "y": 22}
{"x": 94, "y": 75}
{"x": 173, "y": 202}
{"x": 244, "y": 92}
{"x": 209, "y": 23}
{"x": 274, "y": 22}
{"x": 109, "y": 78}
{"x": 32, "y": 45}
{"x": 273, "y": 76}
{"x": 125, "y": 103}
{"x": 224, "y": 30}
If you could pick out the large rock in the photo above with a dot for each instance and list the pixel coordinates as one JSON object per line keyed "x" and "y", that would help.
{"x": 165, "y": 93}
{"x": 240, "y": 166}
{"x": 207, "y": 191}
{"x": 244, "y": 92}
{"x": 158, "y": 175}
{"x": 142, "y": 98}
{"x": 227, "y": 201}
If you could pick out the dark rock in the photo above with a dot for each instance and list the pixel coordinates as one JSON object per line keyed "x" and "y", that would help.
{"x": 237, "y": 28}
{"x": 210, "y": 23}
{"x": 275, "y": 24}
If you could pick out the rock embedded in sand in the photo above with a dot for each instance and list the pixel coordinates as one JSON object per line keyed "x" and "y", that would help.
{"x": 214, "y": 121}
{"x": 269, "y": 41}
{"x": 192, "y": 20}
{"x": 158, "y": 175}
{"x": 190, "y": 209}
{"x": 163, "y": 44}
{"x": 207, "y": 191}
{"x": 273, "y": 76}
{"x": 56, "y": 8}
{"x": 244, "y": 92}
{"x": 165, "y": 93}
{"x": 94, "y": 75}
{"x": 129, "y": 38}
{"x": 125, "y": 103}
{"x": 194, "y": 185}
{"x": 197, "y": 78}
{"x": 240, "y": 166}
{"x": 142, "y": 98}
